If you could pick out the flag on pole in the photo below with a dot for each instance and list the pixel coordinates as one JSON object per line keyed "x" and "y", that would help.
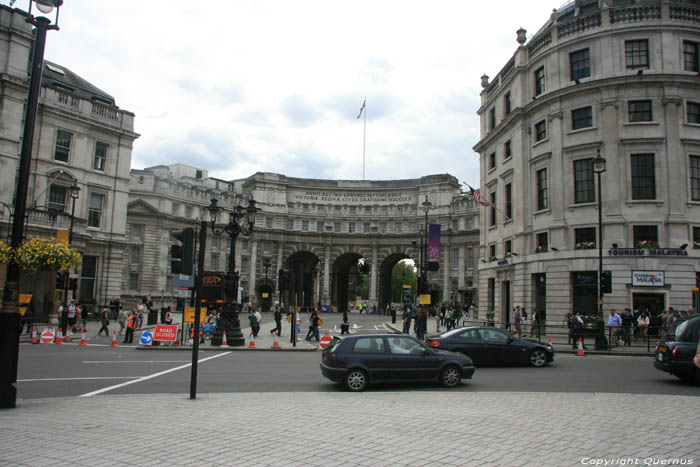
{"x": 477, "y": 196}
{"x": 361, "y": 109}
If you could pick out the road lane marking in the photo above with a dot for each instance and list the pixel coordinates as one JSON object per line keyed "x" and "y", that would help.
{"x": 73, "y": 379}
{"x": 135, "y": 361}
{"x": 154, "y": 375}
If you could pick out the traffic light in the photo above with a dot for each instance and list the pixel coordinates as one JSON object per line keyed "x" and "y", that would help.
{"x": 283, "y": 279}
{"x": 181, "y": 255}
{"x": 606, "y": 282}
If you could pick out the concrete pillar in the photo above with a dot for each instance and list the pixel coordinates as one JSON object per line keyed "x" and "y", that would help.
{"x": 325, "y": 295}
{"x": 373, "y": 277}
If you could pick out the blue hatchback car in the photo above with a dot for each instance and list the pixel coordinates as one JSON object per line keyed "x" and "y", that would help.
{"x": 358, "y": 360}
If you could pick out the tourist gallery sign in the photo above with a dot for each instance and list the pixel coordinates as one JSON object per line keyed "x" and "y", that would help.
{"x": 647, "y": 252}
{"x": 352, "y": 197}
{"x": 648, "y": 278}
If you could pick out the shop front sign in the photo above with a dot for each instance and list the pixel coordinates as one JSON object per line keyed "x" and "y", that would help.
{"x": 648, "y": 278}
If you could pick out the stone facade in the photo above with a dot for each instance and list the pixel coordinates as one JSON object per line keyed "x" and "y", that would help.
{"x": 316, "y": 229}
{"x": 620, "y": 78}
{"x": 81, "y": 137}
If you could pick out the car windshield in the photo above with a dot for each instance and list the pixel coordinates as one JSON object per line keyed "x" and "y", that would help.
{"x": 333, "y": 345}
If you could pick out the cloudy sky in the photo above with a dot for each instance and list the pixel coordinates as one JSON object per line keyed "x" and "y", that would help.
{"x": 239, "y": 86}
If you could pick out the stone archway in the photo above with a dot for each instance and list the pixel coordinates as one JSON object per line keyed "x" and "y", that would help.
{"x": 385, "y": 276}
{"x": 345, "y": 276}
{"x": 265, "y": 294}
{"x": 304, "y": 279}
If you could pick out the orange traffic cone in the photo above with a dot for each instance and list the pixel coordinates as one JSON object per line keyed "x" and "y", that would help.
{"x": 580, "y": 346}
{"x": 224, "y": 342}
{"x": 114, "y": 339}
{"x": 59, "y": 336}
{"x": 68, "y": 333}
{"x": 550, "y": 341}
{"x": 252, "y": 341}
{"x": 35, "y": 340}
{"x": 276, "y": 344}
{"x": 83, "y": 341}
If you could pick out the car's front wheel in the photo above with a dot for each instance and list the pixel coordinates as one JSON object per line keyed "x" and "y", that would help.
{"x": 538, "y": 358}
{"x": 450, "y": 376}
{"x": 356, "y": 380}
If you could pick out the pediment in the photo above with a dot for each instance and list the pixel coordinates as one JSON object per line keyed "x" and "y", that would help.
{"x": 140, "y": 206}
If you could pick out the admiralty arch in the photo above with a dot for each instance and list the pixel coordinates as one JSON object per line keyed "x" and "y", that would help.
{"x": 318, "y": 230}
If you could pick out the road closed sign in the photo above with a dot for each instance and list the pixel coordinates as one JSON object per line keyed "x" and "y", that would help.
{"x": 165, "y": 332}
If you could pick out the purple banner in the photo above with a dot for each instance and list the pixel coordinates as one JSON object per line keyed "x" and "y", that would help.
{"x": 433, "y": 241}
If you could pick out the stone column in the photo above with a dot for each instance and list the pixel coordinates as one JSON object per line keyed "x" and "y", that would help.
{"x": 447, "y": 251}
{"x": 373, "y": 277}
{"x": 325, "y": 295}
{"x": 280, "y": 265}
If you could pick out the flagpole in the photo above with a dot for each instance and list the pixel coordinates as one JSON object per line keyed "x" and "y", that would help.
{"x": 364, "y": 138}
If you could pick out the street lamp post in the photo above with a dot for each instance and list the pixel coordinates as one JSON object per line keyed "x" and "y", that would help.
{"x": 241, "y": 222}
{"x": 427, "y": 205}
{"x": 599, "y": 168}
{"x": 74, "y": 194}
{"x": 10, "y": 304}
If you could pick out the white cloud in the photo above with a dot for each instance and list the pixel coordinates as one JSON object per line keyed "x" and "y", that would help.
{"x": 274, "y": 85}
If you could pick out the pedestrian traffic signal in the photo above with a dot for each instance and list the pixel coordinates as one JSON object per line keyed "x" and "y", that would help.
{"x": 283, "y": 280}
{"x": 181, "y": 255}
{"x": 606, "y": 282}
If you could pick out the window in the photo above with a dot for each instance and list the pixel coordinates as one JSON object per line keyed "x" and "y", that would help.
{"x": 690, "y": 56}
{"x": 135, "y": 255}
{"x": 542, "y": 199}
{"x": 351, "y": 227}
{"x": 492, "y": 251}
{"x": 88, "y": 275}
{"x": 455, "y": 225}
{"x": 491, "y": 294}
{"x": 290, "y": 224}
{"x": 405, "y": 346}
{"x": 133, "y": 281}
{"x": 175, "y": 209}
{"x": 493, "y": 209}
{"x": 584, "y": 238}
{"x": 63, "y": 144}
{"x": 696, "y": 235}
{"x": 580, "y": 62}
{"x": 336, "y": 227}
{"x": 100, "y": 161}
{"x": 645, "y": 234}
{"x": 268, "y": 222}
{"x": 695, "y": 178}
{"x": 470, "y": 224}
{"x": 383, "y": 227}
{"x": 639, "y": 111}
{"x": 540, "y": 130}
{"x": 693, "y": 112}
{"x": 245, "y": 245}
{"x": 581, "y": 118}
{"x": 492, "y": 118}
{"x": 95, "y": 211}
{"x": 137, "y": 231}
{"x": 455, "y": 258}
{"x": 198, "y": 174}
{"x": 215, "y": 242}
{"x": 470, "y": 258}
{"x": 57, "y": 198}
{"x": 305, "y": 225}
{"x": 214, "y": 262}
{"x": 507, "y": 150}
{"x": 585, "y": 291}
{"x": 320, "y": 226}
{"x": 414, "y": 227}
{"x": 492, "y": 161}
{"x": 398, "y": 227}
{"x": 643, "y": 177}
{"x": 509, "y": 201}
{"x": 539, "y": 81}
{"x": 542, "y": 241}
{"x": 188, "y": 212}
{"x": 267, "y": 246}
{"x": 508, "y": 247}
{"x": 369, "y": 345}
{"x": 637, "y": 54}
{"x": 506, "y": 103}
{"x": 245, "y": 264}
{"x": 365, "y": 227}
{"x": 583, "y": 181}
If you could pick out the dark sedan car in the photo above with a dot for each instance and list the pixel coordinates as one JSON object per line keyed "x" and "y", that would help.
{"x": 674, "y": 354}
{"x": 491, "y": 346}
{"x": 358, "y": 360}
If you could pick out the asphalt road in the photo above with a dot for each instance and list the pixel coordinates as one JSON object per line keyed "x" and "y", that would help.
{"x": 69, "y": 370}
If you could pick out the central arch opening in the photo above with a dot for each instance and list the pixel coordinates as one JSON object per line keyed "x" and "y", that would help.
{"x": 304, "y": 280}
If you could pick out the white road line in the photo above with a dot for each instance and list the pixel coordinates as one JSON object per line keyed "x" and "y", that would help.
{"x": 135, "y": 361}
{"x": 73, "y": 379}
{"x": 154, "y": 375}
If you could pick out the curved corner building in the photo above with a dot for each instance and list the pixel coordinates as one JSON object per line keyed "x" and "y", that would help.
{"x": 619, "y": 78}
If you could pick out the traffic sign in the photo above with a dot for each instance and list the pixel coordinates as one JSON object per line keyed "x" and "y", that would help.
{"x": 189, "y": 315}
{"x": 146, "y": 338}
{"x": 325, "y": 340}
{"x": 47, "y": 336}
{"x": 165, "y": 332}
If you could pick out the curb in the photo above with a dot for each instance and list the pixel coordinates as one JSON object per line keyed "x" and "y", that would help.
{"x": 222, "y": 349}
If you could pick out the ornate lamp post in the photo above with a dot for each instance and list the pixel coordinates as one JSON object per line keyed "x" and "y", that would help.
{"x": 241, "y": 222}
{"x": 599, "y": 168}
{"x": 74, "y": 194}
{"x": 427, "y": 205}
{"x": 10, "y": 305}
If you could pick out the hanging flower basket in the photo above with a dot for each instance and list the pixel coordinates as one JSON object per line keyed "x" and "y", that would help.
{"x": 696, "y": 245}
{"x": 585, "y": 245}
{"x": 46, "y": 254}
{"x": 5, "y": 252}
{"x": 541, "y": 249}
{"x": 647, "y": 244}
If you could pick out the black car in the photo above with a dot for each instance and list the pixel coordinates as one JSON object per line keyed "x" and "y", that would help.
{"x": 491, "y": 346}
{"x": 674, "y": 354}
{"x": 358, "y": 360}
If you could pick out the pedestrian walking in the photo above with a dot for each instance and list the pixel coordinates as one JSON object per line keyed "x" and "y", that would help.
{"x": 614, "y": 322}
{"x": 315, "y": 323}
{"x": 643, "y": 323}
{"x": 277, "y": 315}
{"x": 516, "y": 321}
{"x": 123, "y": 315}
{"x": 132, "y": 323}
{"x": 418, "y": 326}
{"x": 104, "y": 320}
{"x": 627, "y": 325}
{"x": 254, "y": 325}
{"x": 168, "y": 317}
{"x": 576, "y": 330}
{"x": 83, "y": 317}
{"x": 345, "y": 325}
{"x": 72, "y": 311}
{"x": 393, "y": 314}
{"x": 140, "y": 310}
